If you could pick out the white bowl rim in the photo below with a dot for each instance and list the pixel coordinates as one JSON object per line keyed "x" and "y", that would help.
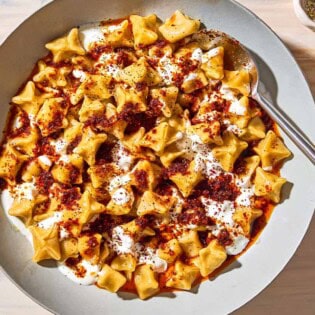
{"x": 45, "y": 7}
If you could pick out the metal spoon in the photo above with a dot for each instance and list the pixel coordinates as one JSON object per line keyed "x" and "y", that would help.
{"x": 237, "y": 57}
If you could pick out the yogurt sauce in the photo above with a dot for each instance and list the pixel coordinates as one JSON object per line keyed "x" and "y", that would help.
{"x": 90, "y": 276}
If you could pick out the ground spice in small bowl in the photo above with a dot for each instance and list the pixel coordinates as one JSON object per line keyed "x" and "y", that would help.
{"x": 309, "y": 6}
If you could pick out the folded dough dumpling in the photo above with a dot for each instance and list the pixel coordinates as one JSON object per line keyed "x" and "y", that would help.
{"x": 152, "y": 203}
{"x": 110, "y": 279}
{"x": 271, "y": 150}
{"x": 67, "y": 46}
{"x": 178, "y": 26}
{"x": 124, "y": 262}
{"x": 89, "y": 247}
{"x": 10, "y": 163}
{"x": 190, "y": 243}
{"x": 119, "y": 35}
{"x": 245, "y": 217}
{"x": 145, "y": 281}
{"x": 46, "y": 243}
{"x": 211, "y": 257}
{"x": 30, "y": 99}
{"x": 238, "y": 80}
{"x": 144, "y": 29}
{"x": 268, "y": 185}
{"x": 231, "y": 149}
{"x": 186, "y": 179}
{"x": 213, "y": 63}
{"x": 183, "y": 276}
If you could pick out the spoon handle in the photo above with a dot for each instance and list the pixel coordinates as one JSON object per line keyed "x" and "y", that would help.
{"x": 292, "y": 131}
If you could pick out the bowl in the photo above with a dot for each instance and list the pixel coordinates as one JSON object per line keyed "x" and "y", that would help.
{"x": 254, "y": 270}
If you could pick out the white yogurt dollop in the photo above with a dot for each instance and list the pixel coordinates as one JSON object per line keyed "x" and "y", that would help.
{"x": 122, "y": 158}
{"x": 49, "y": 222}
{"x": 121, "y": 196}
{"x": 149, "y": 256}
{"x": 221, "y": 211}
{"x": 121, "y": 242}
{"x": 237, "y": 108}
{"x": 239, "y": 244}
{"x": 90, "y": 275}
{"x": 90, "y": 34}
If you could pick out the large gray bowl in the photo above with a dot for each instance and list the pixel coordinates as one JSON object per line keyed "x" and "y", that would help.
{"x": 256, "y": 268}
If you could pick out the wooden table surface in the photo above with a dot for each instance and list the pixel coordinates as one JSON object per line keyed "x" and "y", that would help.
{"x": 293, "y": 291}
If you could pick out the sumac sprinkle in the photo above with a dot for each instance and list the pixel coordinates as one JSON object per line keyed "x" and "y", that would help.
{"x": 224, "y": 238}
{"x": 221, "y": 105}
{"x": 160, "y": 43}
{"x": 104, "y": 153}
{"x": 123, "y": 59}
{"x": 92, "y": 244}
{"x": 187, "y": 65}
{"x": 136, "y": 121}
{"x": 222, "y": 188}
{"x": 239, "y": 166}
{"x": 102, "y": 224}
{"x": 144, "y": 119}
{"x": 219, "y": 189}
{"x": 70, "y": 196}
{"x": 74, "y": 143}
{"x": 145, "y": 221}
{"x": 201, "y": 189}
{"x": 193, "y": 203}
{"x": 196, "y": 217}
{"x": 164, "y": 188}
{"x": 43, "y": 182}
{"x": 56, "y": 122}
{"x": 74, "y": 173}
{"x": 43, "y": 147}
{"x": 141, "y": 86}
{"x": 179, "y": 165}
{"x": 153, "y": 62}
{"x": 73, "y": 261}
{"x": 154, "y": 107}
{"x": 68, "y": 225}
{"x": 24, "y": 120}
{"x": 128, "y": 111}
{"x": 99, "y": 122}
{"x": 98, "y": 50}
{"x": 178, "y": 79}
{"x": 142, "y": 179}
{"x": 105, "y": 223}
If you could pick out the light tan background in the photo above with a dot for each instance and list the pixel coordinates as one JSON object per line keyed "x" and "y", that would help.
{"x": 293, "y": 291}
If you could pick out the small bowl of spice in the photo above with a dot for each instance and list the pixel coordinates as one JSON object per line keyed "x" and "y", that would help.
{"x": 305, "y": 11}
